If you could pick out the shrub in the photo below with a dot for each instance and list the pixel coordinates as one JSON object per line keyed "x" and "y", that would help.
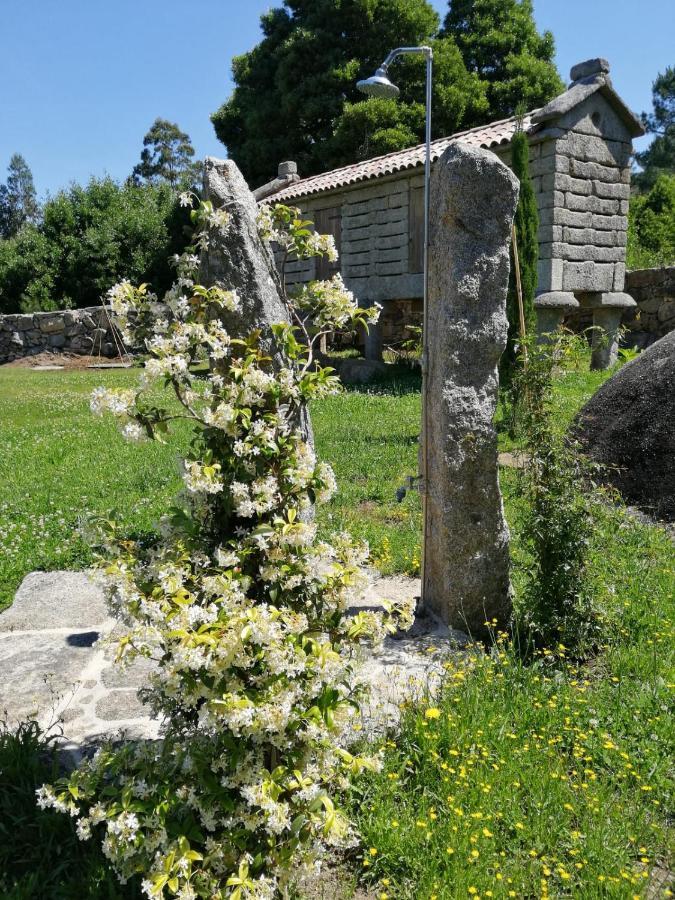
{"x": 651, "y": 226}
{"x": 526, "y": 224}
{"x": 241, "y": 606}
{"x": 557, "y": 606}
{"x": 89, "y": 238}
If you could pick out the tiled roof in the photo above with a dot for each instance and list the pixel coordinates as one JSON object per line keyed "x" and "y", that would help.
{"x": 487, "y": 136}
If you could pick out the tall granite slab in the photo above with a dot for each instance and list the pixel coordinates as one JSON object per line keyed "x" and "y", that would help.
{"x": 239, "y": 259}
{"x": 237, "y": 256}
{"x": 466, "y": 556}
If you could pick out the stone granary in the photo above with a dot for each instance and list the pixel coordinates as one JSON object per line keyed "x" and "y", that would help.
{"x": 580, "y": 154}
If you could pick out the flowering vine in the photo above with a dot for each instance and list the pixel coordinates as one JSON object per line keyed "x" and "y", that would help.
{"x": 243, "y": 609}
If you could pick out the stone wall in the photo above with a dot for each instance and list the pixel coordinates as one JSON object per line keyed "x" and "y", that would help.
{"x": 654, "y": 292}
{"x": 585, "y": 175}
{"x": 374, "y": 236}
{"x": 83, "y": 331}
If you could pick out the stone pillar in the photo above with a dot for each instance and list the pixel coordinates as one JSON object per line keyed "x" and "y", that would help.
{"x": 551, "y": 308}
{"x": 237, "y": 257}
{"x": 240, "y": 260}
{"x": 608, "y": 310}
{"x": 373, "y": 342}
{"x": 466, "y": 553}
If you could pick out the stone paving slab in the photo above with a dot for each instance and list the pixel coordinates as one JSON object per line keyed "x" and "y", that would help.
{"x": 70, "y": 600}
{"x": 56, "y": 666}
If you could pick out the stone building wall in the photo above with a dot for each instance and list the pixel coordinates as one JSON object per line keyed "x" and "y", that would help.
{"x": 374, "y": 238}
{"x": 83, "y": 331}
{"x": 584, "y": 173}
{"x": 654, "y": 292}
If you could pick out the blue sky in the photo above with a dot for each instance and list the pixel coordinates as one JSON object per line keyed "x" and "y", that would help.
{"x": 82, "y": 80}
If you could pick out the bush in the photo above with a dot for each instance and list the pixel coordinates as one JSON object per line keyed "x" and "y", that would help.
{"x": 558, "y": 606}
{"x": 89, "y": 238}
{"x": 526, "y": 224}
{"x": 651, "y": 226}
{"x": 243, "y": 609}
{"x": 41, "y": 857}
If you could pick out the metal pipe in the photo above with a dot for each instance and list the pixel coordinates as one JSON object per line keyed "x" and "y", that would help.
{"x": 425, "y": 309}
{"x": 379, "y": 85}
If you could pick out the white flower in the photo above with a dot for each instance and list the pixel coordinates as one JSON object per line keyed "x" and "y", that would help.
{"x": 202, "y": 479}
{"x": 132, "y": 431}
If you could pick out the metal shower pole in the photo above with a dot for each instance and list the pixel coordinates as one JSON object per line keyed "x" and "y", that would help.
{"x": 379, "y": 85}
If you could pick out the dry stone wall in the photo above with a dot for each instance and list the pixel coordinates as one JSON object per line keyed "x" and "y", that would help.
{"x": 654, "y": 292}
{"x": 83, "y": 331}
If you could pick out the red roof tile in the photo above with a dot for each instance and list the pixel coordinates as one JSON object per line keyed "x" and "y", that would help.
{"x": 487, "y": 136}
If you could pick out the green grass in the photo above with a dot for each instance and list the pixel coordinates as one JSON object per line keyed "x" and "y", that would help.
{"x": 552, "y": 779}
{"x": 41, "y": 857}
{"x": 555, "y": 774}
{"x": 58, "y": 463}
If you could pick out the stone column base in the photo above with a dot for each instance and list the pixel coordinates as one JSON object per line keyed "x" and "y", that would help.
{"x": 551, "y": 308}
{"x": 607, "y": 311}
{"x": 373, "y": 342}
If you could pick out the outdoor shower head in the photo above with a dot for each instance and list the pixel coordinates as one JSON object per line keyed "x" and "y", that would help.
{"x": 378, "y": 85}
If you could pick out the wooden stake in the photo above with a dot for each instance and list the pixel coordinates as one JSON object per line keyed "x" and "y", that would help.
{"x": 519, "y": 293}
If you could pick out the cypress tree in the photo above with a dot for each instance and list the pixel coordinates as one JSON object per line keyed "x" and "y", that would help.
{"x": 526, "y": 225}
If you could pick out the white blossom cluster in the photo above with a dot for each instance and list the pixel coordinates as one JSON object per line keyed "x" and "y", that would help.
{"x": 331, "y": 305}
{"x": 244, "y": 610}
{"x": 283, "y": 226}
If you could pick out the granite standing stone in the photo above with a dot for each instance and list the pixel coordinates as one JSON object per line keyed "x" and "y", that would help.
{"x": 237, "y": 257}
{"x": 240, "y": 260}
{"x": 473, "y": 201}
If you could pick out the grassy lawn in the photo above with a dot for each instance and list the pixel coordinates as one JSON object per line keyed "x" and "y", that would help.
{"x": 552, "y": 779}
{"x": 57, "y": 462}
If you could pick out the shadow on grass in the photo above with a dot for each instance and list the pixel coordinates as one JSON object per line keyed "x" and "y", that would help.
{"x": 400, "y": 382}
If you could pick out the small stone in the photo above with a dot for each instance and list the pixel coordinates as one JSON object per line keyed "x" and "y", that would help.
{"x": 50, "y": 324}
{"x": 589, "y": 67}
{"x": 121, "y": 704}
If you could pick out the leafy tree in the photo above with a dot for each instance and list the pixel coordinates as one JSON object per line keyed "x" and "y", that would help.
{"x": 18, "y": 200}
{"x": 296, "y": 95}
{"x": 659, "y": 157}
{"x": 167, "y": 157}
{"x": 498, "y": 39}
{"x": 89, "y": 238}
{"x": 526, "y": 223}
{"x": 651, "y": 226}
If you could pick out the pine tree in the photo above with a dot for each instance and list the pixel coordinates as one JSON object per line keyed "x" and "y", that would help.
{"x": 659, "y": 158}
{"x": 167, "y": 157}
{"x": 526, "y": 224}
{"x": 18, "y": 200}
{"x": 296, "y": 95}
{"x": 498, "y": 40}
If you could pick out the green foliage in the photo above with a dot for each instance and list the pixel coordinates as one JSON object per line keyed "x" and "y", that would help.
{"x": 240, "y": 605}
{"x": 659, "y": 157}
{"x": 546, "y": 779}
{"x": 296, "y": 96}
{"x": 651, "y": 226}
{"x": 558, "y": 602}
{"x": 498, "y": 39}
{"x": 41, "y": 857}
{"x": 88, "y": 238}
{"x": 166, "y": 157}
{"x": 18, "y": 200}
{"x": 526, "y": 223}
